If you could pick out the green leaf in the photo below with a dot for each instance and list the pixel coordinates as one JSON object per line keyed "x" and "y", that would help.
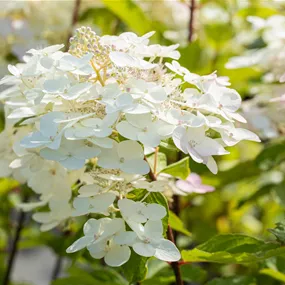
{"x": 177, "y": 225}
{"x": 131, "y": 14}
{"x": 178, "y": 169}
{"x": 102, "y": 18}
{"x": 238, "y": 280}
{"x": 165, "y": 276}
{"x": 213, "y": 32}
{"x": 279, "y": 232}
{"x": 280, "y": 191}
{"x": 193, "y": 273}
{"x": 7, "y": 184}
{"x": 169, "y": 149}
{"x": 259, "y": 11}
{"x": 135, "y": 269}
{"x": 161, "y": 161}
{"x": 273, "y": 273}
{"x": 271, "y": 156}
{"x": 264, "y": 190}
{"x": 234, "y": 174}
{"x": 233, "y": 248}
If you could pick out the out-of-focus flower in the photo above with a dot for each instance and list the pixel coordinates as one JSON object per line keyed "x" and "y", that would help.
{"x": 192, "y": 184}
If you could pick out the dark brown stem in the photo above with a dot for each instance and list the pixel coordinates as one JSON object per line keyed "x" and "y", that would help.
{"x": 57, "y": 268}
{"x": 74, "y": 20}
{"x": 191, "y": 21}
{"x": 175, "y": 265}
{"x": 14, "y": 247}
{"x": 59, "y": 260}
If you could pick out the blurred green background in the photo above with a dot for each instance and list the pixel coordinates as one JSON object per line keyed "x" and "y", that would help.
{"x": 250, "y": 186}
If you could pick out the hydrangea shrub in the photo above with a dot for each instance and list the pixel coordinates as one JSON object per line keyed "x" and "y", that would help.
{"x": 82, "y": 126}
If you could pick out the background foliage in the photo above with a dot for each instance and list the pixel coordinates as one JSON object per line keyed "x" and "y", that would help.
{"x": 224, "y": 234}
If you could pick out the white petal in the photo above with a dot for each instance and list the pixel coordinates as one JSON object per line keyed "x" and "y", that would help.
{"x": 135, "y": 167}
{"x": 132, "y": 210}
{"x": 102, "y": 142}
{"x": 154, "y": 212}
{"x": 243, "y": 134}
{"x": 210, "y": 147}
{"x": 73, "y": 163}
{"x": 50, "y": 154}
{"x": 102, "y": 202}
{"x": 156, "y": 95}
{"x": 92, "y": 226}
{"x": 153, "y": 228}
{"x": 22, "y": 112}
{"x": 126, "y": 130}
{"x": 75, "y": 91}
{"x": 139, "y": 120}
{"x": 109, "y": 159}
{"x": 149, "y": 139}
{"x": 130, "y": 150}
{"x": 194, "y": 155}
{"x": 212, "y": 165}
{"x": 144, "y": 249}
{"x": 89, "y": 190}
{"x": 86, "y": 152}
{"x": 42, "y": 217}
{"x": 14, "y": 70}
{"x": 117, "y": 255}
{"x": 80, "y": 244}
{"x": 81, "y": 206}
{"x": 167, "y": 251}
{"x": 97, "y": 250}
{"x": 125, "y": 238}
{"x": 48, "y": 126}
{"x": 114, "y": 226}
{"x": 122, "y": 59}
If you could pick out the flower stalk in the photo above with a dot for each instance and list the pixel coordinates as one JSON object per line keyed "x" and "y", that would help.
{"x": 175, "y": 265}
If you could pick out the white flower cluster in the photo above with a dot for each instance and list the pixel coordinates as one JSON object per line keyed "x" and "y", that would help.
{"x": 265, "y": 117}
{"x": 81, "y": 120}
{"x": 271, "y": 57}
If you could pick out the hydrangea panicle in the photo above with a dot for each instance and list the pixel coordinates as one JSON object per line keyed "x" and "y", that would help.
{"x": 84, "y": 119}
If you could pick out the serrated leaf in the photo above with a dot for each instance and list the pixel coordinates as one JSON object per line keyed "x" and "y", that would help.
{"x": 178, "y": 169}
{"x": 233, "y": 248}
{"x": 177, "y": 225}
